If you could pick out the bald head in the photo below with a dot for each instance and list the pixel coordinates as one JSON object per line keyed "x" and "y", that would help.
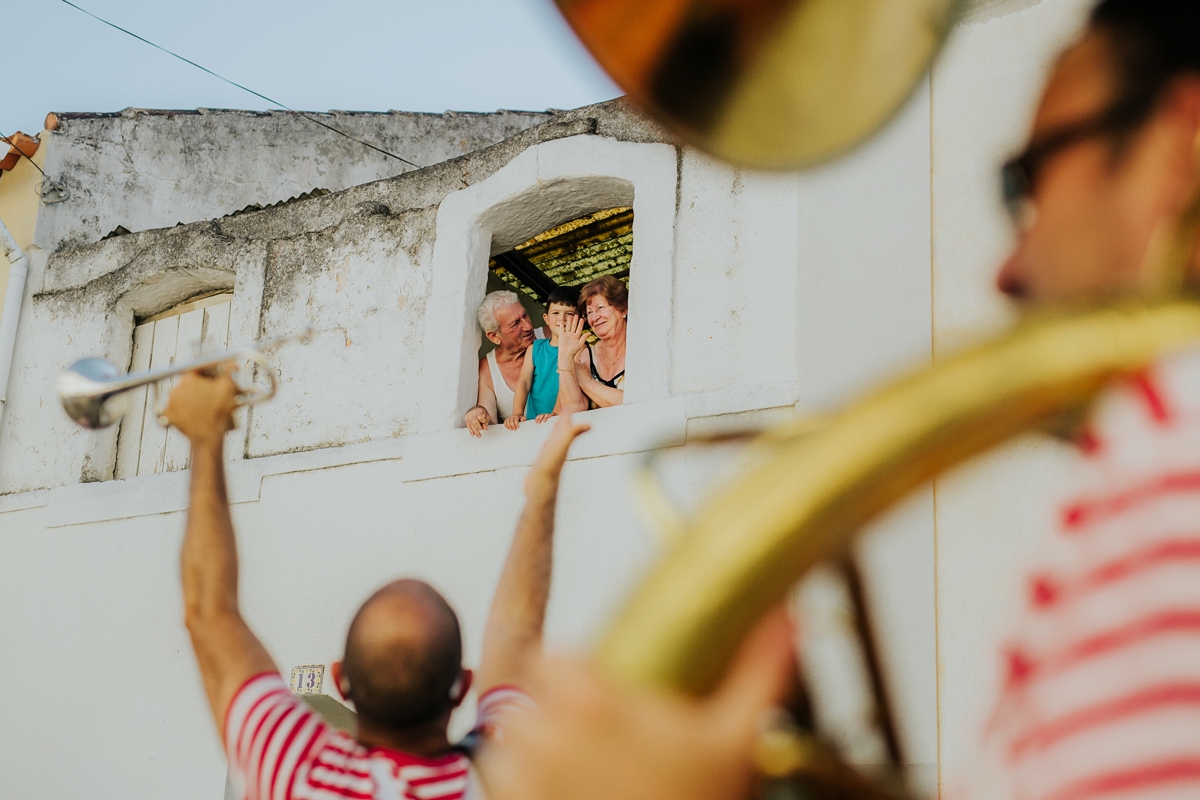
{"x": 403, "y": 655}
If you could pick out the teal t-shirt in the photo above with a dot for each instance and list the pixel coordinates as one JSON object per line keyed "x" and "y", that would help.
{"x": 543, "y": 393}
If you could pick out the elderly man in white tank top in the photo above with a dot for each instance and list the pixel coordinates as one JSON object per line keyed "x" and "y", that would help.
{"x": 506, "y": 325}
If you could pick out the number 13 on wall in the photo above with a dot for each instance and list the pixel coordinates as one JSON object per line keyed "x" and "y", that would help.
{"x": 308, "y": 679}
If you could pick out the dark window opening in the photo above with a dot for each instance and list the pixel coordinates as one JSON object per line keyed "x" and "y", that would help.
{"x": 569, "y": 254}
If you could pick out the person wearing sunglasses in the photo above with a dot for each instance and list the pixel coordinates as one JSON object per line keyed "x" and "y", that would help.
{"x": 1110, "y": 160}
{"x": 1101, "y": 691}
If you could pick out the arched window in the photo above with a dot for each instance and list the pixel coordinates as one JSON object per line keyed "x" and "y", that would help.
{"x": 547, "y": 185}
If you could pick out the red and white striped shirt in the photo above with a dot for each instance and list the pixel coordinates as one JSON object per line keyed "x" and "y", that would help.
{"x": 280, "y": 749}
{"x": 1101, "y": 694}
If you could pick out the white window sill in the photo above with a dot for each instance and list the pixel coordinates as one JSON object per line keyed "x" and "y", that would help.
{"x": 633, "y": 428}
{"x": 617, "y": 430}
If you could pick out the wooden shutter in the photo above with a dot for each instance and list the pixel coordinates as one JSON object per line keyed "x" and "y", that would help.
{"x": 174, "y": 336}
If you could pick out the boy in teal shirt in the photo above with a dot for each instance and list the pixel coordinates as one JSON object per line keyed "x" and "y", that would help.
{"x": 536, "y": 392}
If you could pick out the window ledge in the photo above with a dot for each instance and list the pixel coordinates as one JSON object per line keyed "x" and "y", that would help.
{"x": 166, "y": 493}
{"x": 632, "y": 428}
{"x": 621, "y": 429}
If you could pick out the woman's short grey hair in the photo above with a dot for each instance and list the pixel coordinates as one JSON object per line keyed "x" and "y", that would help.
{"x": 487, "y": 309}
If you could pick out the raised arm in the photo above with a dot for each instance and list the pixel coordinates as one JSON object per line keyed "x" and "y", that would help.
{"x": 512, "y": 639}
{"x": 227, "y": 651}
{"x": 521, "y": 393}
{"x": 589, "y": 739}
{"x": 571, "y": 341}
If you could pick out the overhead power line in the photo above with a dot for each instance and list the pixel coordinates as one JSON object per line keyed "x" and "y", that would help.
{"x": 240, "y": 86}
{"x": 21, "y": 153}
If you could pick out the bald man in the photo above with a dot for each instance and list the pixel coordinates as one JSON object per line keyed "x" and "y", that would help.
{"x": 402, "y": 667}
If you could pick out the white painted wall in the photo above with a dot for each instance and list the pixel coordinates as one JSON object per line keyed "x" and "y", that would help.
{"x": 765, "y": 293}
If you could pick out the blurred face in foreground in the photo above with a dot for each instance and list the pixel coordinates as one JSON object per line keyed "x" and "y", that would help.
{"x": 1099, "y": 187}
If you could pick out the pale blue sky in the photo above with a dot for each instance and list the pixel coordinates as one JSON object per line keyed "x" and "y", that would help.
{"x": 313, "y": 55}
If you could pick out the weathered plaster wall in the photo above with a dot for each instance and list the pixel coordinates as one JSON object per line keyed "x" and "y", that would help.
{"x": 734, "y": 272}
{"x": 362, "y": 283}
{"x": 154, "y": 169}
{"x": 355, "y": 264}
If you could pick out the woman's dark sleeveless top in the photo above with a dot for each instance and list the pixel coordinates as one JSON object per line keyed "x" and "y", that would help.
{"x": 611, "y": 382}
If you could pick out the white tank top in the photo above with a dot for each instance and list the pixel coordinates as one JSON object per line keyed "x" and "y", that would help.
{"x": 504, "y": 395}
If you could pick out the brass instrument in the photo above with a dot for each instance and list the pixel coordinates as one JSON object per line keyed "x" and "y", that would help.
{"x": 747, "y": 545}
{"x": 766, "y": 83}
{"x": 784, "y": 83}
{"x": 95, "y": 394}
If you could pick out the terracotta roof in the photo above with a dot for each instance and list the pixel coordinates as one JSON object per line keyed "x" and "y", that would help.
{"x": 23, "y": 145}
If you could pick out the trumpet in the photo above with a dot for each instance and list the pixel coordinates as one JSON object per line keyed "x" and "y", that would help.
{"x": 95, "y": 394}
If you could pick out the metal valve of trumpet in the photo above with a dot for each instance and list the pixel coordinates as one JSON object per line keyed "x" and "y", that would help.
{"x": 95, "y": 394}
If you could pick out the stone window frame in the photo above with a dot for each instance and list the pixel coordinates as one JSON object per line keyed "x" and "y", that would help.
{"x": 547, "y": 184}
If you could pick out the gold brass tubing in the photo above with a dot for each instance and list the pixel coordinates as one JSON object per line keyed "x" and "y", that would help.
{"x": 655, "y": 507}
{"x": 650, "y": 498}
{"x": 753, "y": 540}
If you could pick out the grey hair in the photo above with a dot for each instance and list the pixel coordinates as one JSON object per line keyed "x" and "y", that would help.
{"x": 487, "y": 309}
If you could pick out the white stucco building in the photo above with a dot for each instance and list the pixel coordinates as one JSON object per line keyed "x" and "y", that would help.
{"x": 753, "y": 296}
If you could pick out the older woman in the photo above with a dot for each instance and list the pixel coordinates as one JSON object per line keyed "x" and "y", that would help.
{"x": 593, "y": 376}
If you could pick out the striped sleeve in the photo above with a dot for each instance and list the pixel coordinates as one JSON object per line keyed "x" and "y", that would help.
{"x": 1101, "y": 677}
{"x": 495, "y": 705}
{"x": 270, "y": 736}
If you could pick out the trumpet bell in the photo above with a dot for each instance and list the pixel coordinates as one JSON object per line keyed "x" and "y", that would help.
{"x": 94, "y": 393}
{"x": 765, "y": 83}
{"x": 85, "y": 389}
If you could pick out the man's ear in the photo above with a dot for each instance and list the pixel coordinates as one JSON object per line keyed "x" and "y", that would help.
{"x": 1186, "y": 91}
{"x": 492, "y": 336}
{"x": 1182, "y": 106}
{"x": 340, "y": 680}
{"x": 460, "y": 687}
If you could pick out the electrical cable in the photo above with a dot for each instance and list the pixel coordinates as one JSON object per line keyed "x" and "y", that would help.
{"x": 240, "y": 86}
{"x": 19, "y": 152}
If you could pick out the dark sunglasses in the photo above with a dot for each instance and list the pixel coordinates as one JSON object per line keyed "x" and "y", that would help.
{"x": 1018, "y": 176}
